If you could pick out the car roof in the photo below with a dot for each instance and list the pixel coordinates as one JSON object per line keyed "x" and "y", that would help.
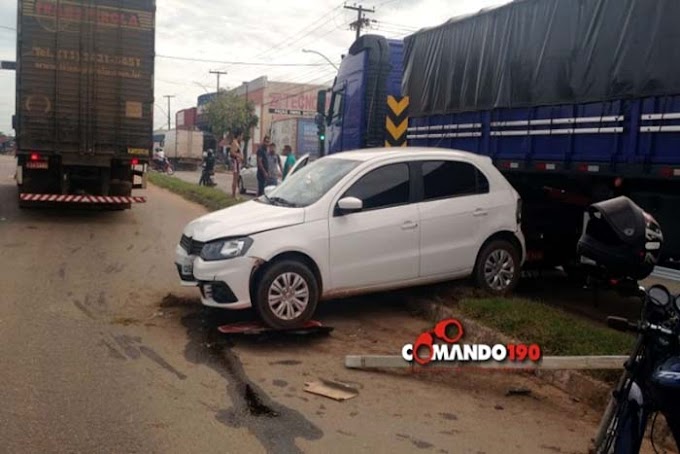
{"x": 374, "y": 154}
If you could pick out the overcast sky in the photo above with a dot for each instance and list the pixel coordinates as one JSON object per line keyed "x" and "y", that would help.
{"x": 261, "y": 31}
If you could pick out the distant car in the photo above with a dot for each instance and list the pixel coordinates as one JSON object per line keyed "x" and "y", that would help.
{"x": 357, "y": 222}
{"x": 248, "y": 176}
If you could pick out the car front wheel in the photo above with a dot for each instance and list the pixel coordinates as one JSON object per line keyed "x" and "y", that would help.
{"x": 498, "y": 267}
{"x": 286, "y": 295}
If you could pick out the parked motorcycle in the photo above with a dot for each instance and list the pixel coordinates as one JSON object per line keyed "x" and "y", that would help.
{"x": 621, "y": 244}
{"x": 206, "y": 177}
{"x": 208, "y": 171}
{"x": 650, "y": 383}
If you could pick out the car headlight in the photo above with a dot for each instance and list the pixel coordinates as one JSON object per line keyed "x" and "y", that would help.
{"x": 225, "y": 249}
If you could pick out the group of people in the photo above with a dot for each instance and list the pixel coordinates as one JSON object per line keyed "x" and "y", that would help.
{"x": 269, "y": 169}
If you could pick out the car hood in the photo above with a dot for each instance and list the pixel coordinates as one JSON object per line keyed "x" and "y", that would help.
{"x": 243, "y": 219}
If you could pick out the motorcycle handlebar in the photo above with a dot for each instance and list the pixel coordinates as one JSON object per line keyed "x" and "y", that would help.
{"x": 621, "y": 324}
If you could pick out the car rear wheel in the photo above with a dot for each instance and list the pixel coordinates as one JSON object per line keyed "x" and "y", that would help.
{"x": 498, "y": 267}
{"x": 286, "y": 295}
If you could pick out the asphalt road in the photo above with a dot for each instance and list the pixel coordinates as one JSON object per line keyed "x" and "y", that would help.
{"x": 102, "y": 351}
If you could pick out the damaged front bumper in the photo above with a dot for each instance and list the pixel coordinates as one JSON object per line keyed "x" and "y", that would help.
{"x": 224, "y": 284}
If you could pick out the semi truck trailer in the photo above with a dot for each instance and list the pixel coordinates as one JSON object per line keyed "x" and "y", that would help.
{"x": 84, "y": 100}
{"x": 575, "y": 101}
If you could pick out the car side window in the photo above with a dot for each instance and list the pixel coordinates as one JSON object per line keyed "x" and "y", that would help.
{"x": 383, "y": 187}
{"x": 443, "y": 179}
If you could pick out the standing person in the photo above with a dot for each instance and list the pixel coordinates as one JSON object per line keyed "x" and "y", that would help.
{"x": 237, "y": 159}
{"x": 290, "y": 160}
{"x": 274, "y": 165}
{"x": 262, "y": 165}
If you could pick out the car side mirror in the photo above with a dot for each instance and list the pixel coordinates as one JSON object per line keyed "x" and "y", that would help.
{"x": 268, "y": 190}
{"x": 348, "y": 205}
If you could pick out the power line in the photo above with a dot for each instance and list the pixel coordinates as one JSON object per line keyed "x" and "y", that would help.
{"x": 242, "y": 63}
{"x": 8, "y": 28}
{"x": 290, "y": 44}
{"x": 393, "y": 25}
{"x": 286, "y": 42}
{"x": 385, "y": 3}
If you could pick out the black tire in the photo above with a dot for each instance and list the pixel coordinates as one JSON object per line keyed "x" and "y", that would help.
{"x": 265, "y": 285}
{"x": 241, "y": 188}
{"x": 493, "y": 258}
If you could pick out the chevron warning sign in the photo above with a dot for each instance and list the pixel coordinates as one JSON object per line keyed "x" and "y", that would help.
{"x": 396, "y": 122}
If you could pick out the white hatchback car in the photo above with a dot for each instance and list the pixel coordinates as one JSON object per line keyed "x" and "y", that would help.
{"x": 357, "y": 222}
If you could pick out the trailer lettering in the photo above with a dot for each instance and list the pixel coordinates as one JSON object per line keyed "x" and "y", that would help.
{"x": 74, "y": 12}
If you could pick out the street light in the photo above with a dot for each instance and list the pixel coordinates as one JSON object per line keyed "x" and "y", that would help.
{"x": 309, "y": 51}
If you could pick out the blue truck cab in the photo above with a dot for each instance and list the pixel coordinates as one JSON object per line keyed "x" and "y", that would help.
{"x": 368, "y": 74}
{"x": 572, "y": 111}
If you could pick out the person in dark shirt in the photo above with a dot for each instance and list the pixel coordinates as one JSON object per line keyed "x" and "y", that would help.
{"x": 262, "y": 166}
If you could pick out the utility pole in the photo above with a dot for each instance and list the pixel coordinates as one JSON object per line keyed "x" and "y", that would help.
{"x": 169, "y": 98}
{"x": 361, "y": 20}
{"x": 219, "y": 73}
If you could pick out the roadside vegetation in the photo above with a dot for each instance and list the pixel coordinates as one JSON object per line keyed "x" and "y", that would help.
{"x": 211, "y": 198}
{"x": 556, "y": 331}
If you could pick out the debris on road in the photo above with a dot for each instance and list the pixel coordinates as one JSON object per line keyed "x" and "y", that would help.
{"x": 332, "y": 389}
{"x": 251, "y": 328}
{"x": 518, "y": 392}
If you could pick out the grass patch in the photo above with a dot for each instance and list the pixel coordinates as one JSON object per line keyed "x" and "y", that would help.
{"x": 557, "y": 332}
{"x": 210, "y": 197}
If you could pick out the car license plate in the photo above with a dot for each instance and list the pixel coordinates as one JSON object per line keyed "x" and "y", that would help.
{"x": 188, "y": 270}
{"x": 37, "y": 165}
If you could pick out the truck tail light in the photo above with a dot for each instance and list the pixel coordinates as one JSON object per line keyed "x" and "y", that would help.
{"x": 518, "y": 214}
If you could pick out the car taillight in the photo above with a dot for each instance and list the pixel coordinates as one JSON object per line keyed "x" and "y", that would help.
{"x": 134, "y": 161}
{"x": 35, "y": 157}
{"x": 518, "y": 213}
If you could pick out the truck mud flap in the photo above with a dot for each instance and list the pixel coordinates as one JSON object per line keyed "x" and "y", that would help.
{"x": 89, "y": 199}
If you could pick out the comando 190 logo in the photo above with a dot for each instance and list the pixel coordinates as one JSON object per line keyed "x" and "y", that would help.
{"x": 450, "y": 331}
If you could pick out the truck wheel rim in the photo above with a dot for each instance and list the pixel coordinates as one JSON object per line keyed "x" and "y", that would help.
{"x": 499, "y": 269}
{"x": 288, "y": 296}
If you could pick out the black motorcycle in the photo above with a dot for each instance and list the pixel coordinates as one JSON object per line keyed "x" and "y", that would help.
{"x": 208, "y": 171}
{"x": 650, "y": 383}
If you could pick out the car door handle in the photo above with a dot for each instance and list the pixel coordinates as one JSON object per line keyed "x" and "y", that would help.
{"x": 480, "y": 212}
{"x": 409, "y": 225}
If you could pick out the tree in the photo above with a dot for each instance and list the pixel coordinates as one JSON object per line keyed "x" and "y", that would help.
{"x": 228, "y": 112}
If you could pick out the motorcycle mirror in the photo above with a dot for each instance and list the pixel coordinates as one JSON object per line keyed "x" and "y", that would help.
{"x": 659, "y": 295}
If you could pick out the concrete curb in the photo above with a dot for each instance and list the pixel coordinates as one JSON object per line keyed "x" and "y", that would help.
{"x": 588, "y": 390}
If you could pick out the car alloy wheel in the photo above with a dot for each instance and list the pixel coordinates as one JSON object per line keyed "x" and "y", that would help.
{"x": 499, "y": 270}
{"x": 288, "y": 296}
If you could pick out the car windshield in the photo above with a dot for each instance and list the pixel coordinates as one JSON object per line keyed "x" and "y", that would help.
{"x": 310, "y": 183}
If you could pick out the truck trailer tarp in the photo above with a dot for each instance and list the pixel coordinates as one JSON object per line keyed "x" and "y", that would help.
{"x": 545, "y": 52}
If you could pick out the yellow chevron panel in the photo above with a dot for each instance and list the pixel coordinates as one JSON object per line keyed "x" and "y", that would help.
{"x": 396, "y": 131}
{"x": 397, "y": 106}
